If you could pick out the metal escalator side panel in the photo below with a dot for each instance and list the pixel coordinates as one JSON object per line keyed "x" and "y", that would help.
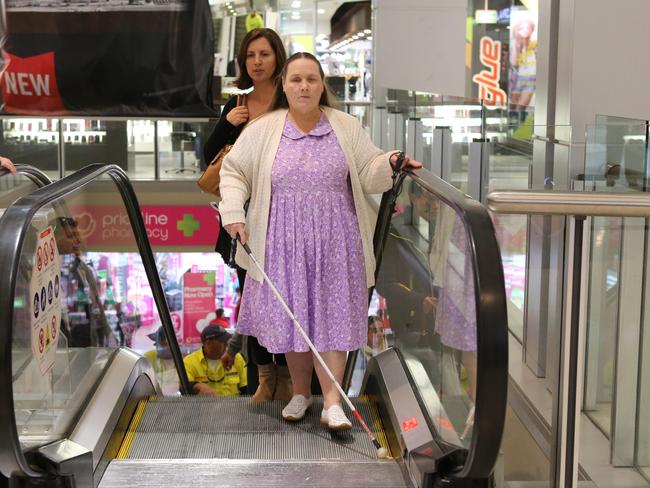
{"x": 102, "y": 413}
{"x": 387, "y": 385}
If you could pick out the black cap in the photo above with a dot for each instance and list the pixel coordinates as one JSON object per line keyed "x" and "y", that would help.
{"x": 158, "y": 337}
{"x": 214, "y": 332}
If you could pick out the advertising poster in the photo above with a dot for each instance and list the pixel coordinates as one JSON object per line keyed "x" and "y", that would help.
{"x": 109, "y": 57}
{"x": 101, "y": 226}
{"x": 198, "y": 303}
{"x": 45, "y": 302}
{"x": 523, "y": 61}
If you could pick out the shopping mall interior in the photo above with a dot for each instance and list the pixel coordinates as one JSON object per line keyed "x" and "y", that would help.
{"x": 505, "y": 343}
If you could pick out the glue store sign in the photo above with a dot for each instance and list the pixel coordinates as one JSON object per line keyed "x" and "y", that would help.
{"x": 45, "y": 303}
{"x": 489, "y": 78}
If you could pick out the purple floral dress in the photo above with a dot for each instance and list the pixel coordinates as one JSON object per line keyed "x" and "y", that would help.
{"x": 314, "y": 254}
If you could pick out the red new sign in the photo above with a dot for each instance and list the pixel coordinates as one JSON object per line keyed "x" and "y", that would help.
{"x": 29, "y": 85}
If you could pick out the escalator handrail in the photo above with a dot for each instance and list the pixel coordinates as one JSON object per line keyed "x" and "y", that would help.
{"x": 491, "y": 325}
{"x": 15, "y": 224}
{"x": 35, "y": 175}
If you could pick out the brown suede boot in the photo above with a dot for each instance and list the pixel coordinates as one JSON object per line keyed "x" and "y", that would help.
{"x": 267, "y": 376}
{"x": 283, "y": 387}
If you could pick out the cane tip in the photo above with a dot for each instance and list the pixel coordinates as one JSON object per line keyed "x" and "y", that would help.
{"x": 382, "y": 453}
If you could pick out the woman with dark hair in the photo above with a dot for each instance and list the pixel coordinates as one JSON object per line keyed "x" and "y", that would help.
{"x": 306, "y": 168}
{"x": 261, "y": 58}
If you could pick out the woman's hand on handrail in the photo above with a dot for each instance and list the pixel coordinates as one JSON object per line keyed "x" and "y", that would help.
{"x": 8, "y": 165}
{"x": 407, "y": 162}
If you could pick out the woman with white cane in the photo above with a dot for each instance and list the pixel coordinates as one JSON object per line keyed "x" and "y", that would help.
{"x": 306, "y": 169}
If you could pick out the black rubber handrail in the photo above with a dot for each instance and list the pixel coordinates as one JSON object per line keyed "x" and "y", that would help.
{"x": 491, "y": 318}
{"x": 35, "y": 175}
{"x": 491, "y": 324}
{"x": 15, "y": 223}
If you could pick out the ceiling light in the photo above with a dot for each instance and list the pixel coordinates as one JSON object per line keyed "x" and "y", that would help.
{"x": 321, "y": 11}
{"x": 355, "y": 37}
{"x": 369, "y": 38}
{"x": 360, "y": 34}
{"x": 295, "y": 4}
{"x": 367, "y": 31}
{"x": 295, "y": 15}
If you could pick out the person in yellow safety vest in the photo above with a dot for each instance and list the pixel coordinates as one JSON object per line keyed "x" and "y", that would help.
{"x": 163, "y": 364}
{"x": 206, "y": 371}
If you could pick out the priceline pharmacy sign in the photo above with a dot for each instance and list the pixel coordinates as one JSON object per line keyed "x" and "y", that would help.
{"x": 105, "y": 226}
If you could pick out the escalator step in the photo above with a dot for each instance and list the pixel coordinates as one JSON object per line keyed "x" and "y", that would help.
{"x": 236, "y": 428}
{"x": 258, "y": 474}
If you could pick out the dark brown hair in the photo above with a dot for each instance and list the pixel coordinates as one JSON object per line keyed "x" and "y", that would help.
{"x": 244, "y": 80}
{"x": 280, "y": 98}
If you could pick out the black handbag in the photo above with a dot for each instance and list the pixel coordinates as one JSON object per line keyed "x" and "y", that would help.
{"x": 226, "y": 246}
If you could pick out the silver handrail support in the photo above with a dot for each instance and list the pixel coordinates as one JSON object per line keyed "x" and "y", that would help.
{"x": 578, "y": 206}
{"x": 606, "y": 204}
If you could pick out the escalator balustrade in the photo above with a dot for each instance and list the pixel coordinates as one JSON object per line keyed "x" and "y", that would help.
{"x": 97, "y": 417}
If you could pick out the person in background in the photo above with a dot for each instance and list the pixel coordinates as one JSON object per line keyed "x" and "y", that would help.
{"x": 163, "y": 365}
{"x": 206, "y": 371}
{"x": 7, "y": 164}
{"x": 306, "y": 169}
{"x": 261, "y": 58}
{"x": 254, "y": 21}
{"x": 220, "y": 320}
{"x": 79, "y": 280}
{"x": 376, "y": 338}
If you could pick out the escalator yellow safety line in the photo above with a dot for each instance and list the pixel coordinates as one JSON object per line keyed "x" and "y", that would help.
{"x": 125, "y": 448}
{"x": 376, "y": 424}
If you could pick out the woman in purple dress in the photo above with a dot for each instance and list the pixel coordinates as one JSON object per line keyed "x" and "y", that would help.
{"x": 306, "y": 169}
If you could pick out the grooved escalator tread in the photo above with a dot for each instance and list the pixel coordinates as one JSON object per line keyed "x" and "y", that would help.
{"x": 236, "y": 428}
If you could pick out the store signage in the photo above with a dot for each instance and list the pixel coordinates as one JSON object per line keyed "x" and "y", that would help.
{"x": 489, "y": 77}
{"x": 184, "y": 225}
{"x": 485, "y": 16}
{"x": 112, "y": 57}
{"x": 29, "y": 84}
{"x": 199, "y": 293}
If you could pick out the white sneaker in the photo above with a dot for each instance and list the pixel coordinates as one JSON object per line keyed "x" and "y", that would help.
{"x": 296, "y": 408}
{"x": 335, "y": 419}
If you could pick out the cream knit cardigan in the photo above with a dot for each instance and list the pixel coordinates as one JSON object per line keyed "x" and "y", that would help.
{"x": 246, "y": 173}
